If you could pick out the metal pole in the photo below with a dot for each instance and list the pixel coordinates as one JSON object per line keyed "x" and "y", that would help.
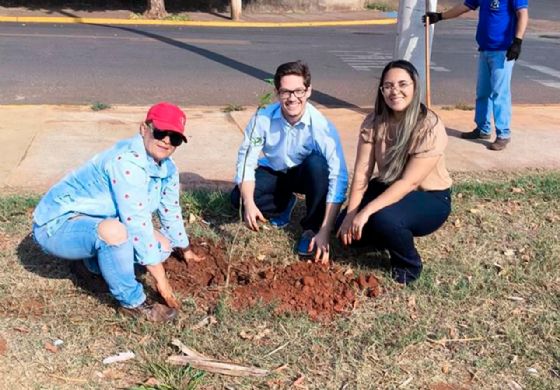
{"x": 427, "y": 57}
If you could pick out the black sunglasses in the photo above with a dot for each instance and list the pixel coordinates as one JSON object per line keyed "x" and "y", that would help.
{"x": 175, "y": 139}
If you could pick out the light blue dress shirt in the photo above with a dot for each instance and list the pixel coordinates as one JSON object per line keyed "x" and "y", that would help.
{"x": 285, "y": 146}
{"x": 127, "y": 184}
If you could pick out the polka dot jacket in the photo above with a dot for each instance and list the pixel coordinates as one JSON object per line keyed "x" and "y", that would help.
{"x": 123, "y": 182}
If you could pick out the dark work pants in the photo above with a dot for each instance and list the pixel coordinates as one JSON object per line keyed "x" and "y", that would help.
{"x": 394, "y": 227}
{"x": 273, "y": 190}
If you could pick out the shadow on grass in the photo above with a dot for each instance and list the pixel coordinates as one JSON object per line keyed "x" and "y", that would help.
{"x": 36, "y": 261}
{"x": 361, "y": 256}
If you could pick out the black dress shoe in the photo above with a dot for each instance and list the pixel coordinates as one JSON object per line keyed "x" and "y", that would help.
{"x": 475, "y": 134}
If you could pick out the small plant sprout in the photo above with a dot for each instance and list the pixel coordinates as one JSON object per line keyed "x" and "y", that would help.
{"x": 99, "y": 106}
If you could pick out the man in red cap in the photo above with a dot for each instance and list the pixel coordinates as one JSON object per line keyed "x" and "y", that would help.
{"x": 102, "y": 213}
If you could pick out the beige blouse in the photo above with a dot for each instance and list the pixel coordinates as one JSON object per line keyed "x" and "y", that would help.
{"x": 431, "y": 141}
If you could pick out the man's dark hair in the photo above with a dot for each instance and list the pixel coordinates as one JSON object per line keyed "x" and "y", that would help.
{"x": 298, "y": 68}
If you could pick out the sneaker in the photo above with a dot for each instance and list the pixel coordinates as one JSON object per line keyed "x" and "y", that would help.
{"x": 499, "y": 144}
{"x": 475, "y": 134}
{"x": 155, "y": 312}
{"x": 304, "y": 242}
{"x": 282, "y": 220}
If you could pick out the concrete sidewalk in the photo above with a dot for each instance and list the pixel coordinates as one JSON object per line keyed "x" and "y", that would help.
{"x": 204, "y": 19}
{"x": 40, "y": 144}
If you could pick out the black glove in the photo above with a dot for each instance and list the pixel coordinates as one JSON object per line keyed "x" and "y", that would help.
{"x": 434, "y": 17}
{"x": 514, "y": 49}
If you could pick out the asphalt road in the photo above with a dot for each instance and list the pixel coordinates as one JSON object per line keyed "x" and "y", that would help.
{"x": 81, "y": 64}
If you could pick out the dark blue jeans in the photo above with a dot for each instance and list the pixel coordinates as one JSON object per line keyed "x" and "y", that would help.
{"x": 394, "y": 227}
{"x": 273, "y": 190}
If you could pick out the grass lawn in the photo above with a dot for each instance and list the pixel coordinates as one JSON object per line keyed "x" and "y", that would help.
{"x": 484, "y": 314}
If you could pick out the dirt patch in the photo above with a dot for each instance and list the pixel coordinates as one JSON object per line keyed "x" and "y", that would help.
{"x": 25, "y": 308}
{"x": 445, "y": 386}
{"x": 320, "y": 291}
{"x": 3, "y": 346}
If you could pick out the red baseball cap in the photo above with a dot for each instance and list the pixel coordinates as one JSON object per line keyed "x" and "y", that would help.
{"x": 167, "y": 116}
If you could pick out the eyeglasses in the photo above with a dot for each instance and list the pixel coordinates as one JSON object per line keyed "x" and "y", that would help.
{"x": 286, "y": 93}
{"x": 388, "y": 87}
{"x": 175, "y": 139}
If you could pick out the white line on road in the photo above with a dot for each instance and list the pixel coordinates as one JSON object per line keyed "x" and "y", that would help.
{"x": 367, "y": 60}
{"x": 438, "y": 68}
{"x": 545, "y": 70}
{"x": 548, "y": 83}
{"x": 363, "y": 60}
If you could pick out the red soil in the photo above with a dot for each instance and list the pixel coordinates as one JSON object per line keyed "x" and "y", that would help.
{"x": 320, "y": 291}
{"x": 3, "y": 346}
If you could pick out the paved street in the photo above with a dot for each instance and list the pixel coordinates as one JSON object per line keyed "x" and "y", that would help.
{"x": 81, "y": 64}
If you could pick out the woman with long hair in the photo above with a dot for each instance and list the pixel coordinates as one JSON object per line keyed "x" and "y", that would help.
{"x": 409, "y": 195}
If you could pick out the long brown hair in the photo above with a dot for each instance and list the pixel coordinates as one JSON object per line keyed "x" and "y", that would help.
{"x": 407, "y": 128}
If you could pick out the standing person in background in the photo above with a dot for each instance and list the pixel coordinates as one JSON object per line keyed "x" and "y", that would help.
{"x": 302, "y": 154}
{"x": 499, "y": 34}
{"x": 102, "y": 214}
{"x": 410, "y": 194}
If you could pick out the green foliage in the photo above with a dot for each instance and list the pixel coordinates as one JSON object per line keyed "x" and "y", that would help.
{"x": 177, "y": 17}
{"x": 380, "y": 6}
{"x": 233, "y": 107}
{"x": 464, "y": 106}
{"x": 266, "y": 98}
{"x": 98, "y": 106}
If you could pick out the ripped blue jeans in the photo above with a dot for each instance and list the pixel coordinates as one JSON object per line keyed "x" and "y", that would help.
{"x": 78, "y": 239}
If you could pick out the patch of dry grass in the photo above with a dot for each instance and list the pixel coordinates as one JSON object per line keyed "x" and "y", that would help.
{"x": 484, "y": 314}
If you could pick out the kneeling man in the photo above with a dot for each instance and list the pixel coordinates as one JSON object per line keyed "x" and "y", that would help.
{"x": 302, "y": 154}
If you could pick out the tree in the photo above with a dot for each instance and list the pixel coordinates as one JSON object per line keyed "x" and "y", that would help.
{"x": 156, "y": 9}
{"x": 235, "y": 6}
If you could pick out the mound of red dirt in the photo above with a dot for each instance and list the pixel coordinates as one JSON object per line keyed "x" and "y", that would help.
{"x": 320, "y": 291}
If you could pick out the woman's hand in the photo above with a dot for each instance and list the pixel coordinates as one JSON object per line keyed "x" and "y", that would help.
{"x": 163, "y": 286}
{"x": 188, "y": 254}
{"x": 358, "y": 225}
{"x": 321, "y": 244}
{"x": 164, "y": 289}
{"x": 345, "y": 231}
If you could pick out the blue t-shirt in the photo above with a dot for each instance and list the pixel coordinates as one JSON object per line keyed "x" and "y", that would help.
{"x": 497, "y": 21}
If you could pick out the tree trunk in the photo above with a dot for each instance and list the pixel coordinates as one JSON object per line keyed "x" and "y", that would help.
{"x": 411, "y": 35}
{"x": 156, "y": 9}
{"x": 235, "y": 6}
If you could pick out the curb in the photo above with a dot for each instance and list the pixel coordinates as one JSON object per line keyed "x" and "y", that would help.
{"x": 70, "y": 20}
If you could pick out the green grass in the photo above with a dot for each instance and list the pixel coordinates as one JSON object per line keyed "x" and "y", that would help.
{"x": 99, "y": 106}
{"x": 459, "y": 106}
{"x": 177, "y": 17}
{"x": 484, "y": 311}
{"x": 172, "y": 17}
{"x": 380, "y": 6}
{"x": 208, "y": 204}
{"x": 233, "y": 107}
